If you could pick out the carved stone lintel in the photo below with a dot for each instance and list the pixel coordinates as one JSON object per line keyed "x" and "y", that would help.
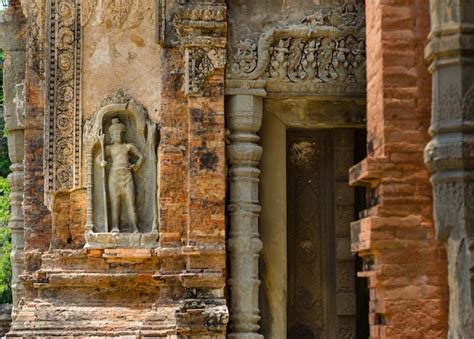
{"x": 63, "y": 119}
{"x": 449, "y": 154}
{"x": 326, "y": 47}
{"x": 244, "y": 118}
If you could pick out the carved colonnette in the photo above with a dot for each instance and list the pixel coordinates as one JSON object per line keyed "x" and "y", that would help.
{"x": 244, "y": 118}
{"x": 449, "y": 154}
{"x": 12, "y": 23}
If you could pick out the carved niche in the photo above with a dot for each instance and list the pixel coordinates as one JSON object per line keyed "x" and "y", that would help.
{"x": 120, "y": 144}
{"x": 327, "y": 47}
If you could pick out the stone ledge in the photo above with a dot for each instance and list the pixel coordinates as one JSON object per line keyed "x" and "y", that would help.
{"x": 91, "y": 279}
{"x": 367, "y": 173}
{"x": 365, "y": 233}
{"x": 121, "y": 240}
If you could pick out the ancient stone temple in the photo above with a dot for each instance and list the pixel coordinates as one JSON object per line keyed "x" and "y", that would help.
{"x": 239, "y": 168}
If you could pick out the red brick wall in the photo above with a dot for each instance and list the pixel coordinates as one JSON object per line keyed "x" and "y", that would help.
{"x": 173, "y": 165}
{"x": 37, "y": 216}
{"x": 406, "y": 267}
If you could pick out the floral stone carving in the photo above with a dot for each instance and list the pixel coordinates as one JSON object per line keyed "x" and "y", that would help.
{"x": 62, "y": 110}
{"x": 121, "y": 146}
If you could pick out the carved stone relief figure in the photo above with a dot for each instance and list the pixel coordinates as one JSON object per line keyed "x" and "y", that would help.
{"x": 121, "y": 158}
{"x": 121, "y": 188}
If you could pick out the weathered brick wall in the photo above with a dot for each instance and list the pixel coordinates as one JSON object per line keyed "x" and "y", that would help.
{"x": 405, "y": 265}
{"x": 173, "y": 194}
{"x": 37, "y": 216}
{"x": 175, "y": 288}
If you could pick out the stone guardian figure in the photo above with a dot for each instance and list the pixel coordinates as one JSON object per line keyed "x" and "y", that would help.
{"x": 121, "y": 188}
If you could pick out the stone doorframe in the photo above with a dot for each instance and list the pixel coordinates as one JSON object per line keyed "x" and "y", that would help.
{"x": 245, "y": 103}
{"x": 322, "y": 57}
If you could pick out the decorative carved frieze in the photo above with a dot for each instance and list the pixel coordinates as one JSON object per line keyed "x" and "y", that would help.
{"x": 326, "y": 47}
{"x": 116, "y": 13}
{"x": 200, "y": 65}
{"x": 202, "y": 30}
{"x": 202, "y": 310}
{"x": 63, "y": 107}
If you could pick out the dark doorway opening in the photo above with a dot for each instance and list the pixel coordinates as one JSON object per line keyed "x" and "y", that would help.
{"x": 325, "y": 300}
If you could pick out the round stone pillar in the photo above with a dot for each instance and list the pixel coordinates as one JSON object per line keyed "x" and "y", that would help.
{"x": 244, "y": 118}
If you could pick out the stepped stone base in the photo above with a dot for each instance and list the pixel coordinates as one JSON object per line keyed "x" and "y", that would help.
{"x": 40, "y": 319}
{"x": 120, "y": 293}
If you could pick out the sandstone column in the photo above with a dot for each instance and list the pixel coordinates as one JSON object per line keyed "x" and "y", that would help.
{"x": 14, "y": 93}
{"x": 449, "y": 155}
{"x": 244, "y": 118}
{"x": 15, "y": 129}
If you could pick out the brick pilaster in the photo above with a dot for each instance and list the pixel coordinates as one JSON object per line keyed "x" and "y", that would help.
{"x": 405, "y": 265}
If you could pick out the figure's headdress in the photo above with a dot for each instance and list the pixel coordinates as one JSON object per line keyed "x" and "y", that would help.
{"x": 116, "y": 125}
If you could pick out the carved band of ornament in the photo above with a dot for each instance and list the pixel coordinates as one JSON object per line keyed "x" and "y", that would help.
{"x": 191, "y": 18}
{"x": 202, "y": 13}
{"x": 200, "y": 65}
{"x": 453, "y": 114}
{"x": 63, "y": 112}
{"x": 453, "y": 105}
{"x": 116, "y": 13}
{"x": 328, "y": 46}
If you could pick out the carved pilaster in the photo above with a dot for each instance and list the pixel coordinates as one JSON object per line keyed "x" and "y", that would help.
{"x": 449, "y": 154}
{"x": 63, "y": 120}
{"x": 202, "y": 29}
{"x": 244, "y": 118}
